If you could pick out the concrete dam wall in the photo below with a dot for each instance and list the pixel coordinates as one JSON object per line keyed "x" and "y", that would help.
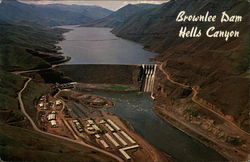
{"x": 141, "y": 76}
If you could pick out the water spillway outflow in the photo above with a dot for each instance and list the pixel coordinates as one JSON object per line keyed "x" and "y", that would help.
{"x": 148, "y": 77}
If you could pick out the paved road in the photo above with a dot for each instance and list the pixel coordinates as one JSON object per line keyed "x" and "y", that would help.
{"x": 41, "y": 69}
{"x": 53, "y": 135}
{"x": 195, "y": 99}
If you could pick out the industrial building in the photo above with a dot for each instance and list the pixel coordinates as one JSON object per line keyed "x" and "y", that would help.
{"x": 43, "y": 98}
{"x": 120, "y": 139}
{"x": 104, "y": 144}
{"x": 41, "y": 105}
{"x": 102, "y": 122}
{"x": 90, "y": 129}
{"x": 123, "y": 151}
{"x": 58, "y": 102}
{"x": 51, "y": 117}
{"x": 109, "y": 127}
{"x": 96, "y": 128}
{"x": 91, "y": 122}
{"x": 53, "y": 123}
{"x": 97, "y": 136}
{"x": 124, "y": 154}
{"x": 128, "y": 137}
{"x": 78, "y": 126}
{"x": 112, "y": 140}
{"x": 113, "y": 124}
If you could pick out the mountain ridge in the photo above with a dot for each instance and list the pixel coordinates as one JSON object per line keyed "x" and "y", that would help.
{"x": 217, "y": 69}
{"x": 119, "y": 16}
{"x": 51, "y": 14}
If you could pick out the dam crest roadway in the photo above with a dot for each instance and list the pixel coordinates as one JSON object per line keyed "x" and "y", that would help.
{"x": 141, "y": 76}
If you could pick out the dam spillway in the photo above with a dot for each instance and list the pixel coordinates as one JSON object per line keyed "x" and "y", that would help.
{"x": 148, "y": 77}
{"x": 139, "y": 75}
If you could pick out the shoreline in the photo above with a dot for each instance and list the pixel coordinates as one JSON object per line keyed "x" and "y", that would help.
{"x": 145, "y": 147}
{"x": 173, "y": 123}
{"x": 188, "y": 130}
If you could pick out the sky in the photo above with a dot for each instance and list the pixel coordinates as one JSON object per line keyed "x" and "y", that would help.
{"x": 109, "y": 4}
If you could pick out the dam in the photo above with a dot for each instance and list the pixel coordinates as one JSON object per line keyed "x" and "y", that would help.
{"x": 140, "y": 76}
{"x": 119, "y": 61}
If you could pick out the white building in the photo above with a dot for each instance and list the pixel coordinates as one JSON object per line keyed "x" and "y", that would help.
{"x": 113, "y": 125}
{"x": 91, "y": 122}
{"x": 112, "y": 140}
{"x": 58, "y": 102}
{"x": 128, "y": 137}
{"x": 40, "y": 104}
{"x": 104, "y": 144}
{"x": 53, "y": 123}
{"x": 51, "y": 117}
{"x": 97, "y": 136}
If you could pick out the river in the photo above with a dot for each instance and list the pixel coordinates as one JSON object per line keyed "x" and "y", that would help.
{"x": 87, "y": 45}
{"x": 99, "y": 46}
{"x": 136, "y": 108}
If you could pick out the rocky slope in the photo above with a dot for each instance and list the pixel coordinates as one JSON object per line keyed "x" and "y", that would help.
{"x": 201, "y": 81}
{"x": 119, "y": 16}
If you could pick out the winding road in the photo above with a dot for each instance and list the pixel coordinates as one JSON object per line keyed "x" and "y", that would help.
{"x": 195, "y": 99}
{"x": 53, "y": 135}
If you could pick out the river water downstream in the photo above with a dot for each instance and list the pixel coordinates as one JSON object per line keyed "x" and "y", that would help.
{"x": 99, "y": 46}
{"x": 136, "y": 108}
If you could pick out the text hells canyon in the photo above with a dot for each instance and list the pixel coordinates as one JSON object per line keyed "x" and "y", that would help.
{"x": 211, "y": 32}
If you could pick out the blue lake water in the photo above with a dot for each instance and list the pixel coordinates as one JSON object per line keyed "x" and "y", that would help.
{"x": 99, "y": 46}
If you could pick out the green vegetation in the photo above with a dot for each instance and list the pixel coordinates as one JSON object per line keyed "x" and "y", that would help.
{"x": 17, "y": 42}
{"x": 10, "y": 84}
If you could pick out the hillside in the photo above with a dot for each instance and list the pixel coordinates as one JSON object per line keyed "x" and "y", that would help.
{"x": 201, "y": 81}
{"x": 19, "y": 40}
{"x": 119, "y": 16}
{"x": 209, "y": 60}
{"x": 18, "y": 44}
{"x": 51, "y": 15}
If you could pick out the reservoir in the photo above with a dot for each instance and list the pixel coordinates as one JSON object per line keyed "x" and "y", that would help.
{"x": 99, "y": 46}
